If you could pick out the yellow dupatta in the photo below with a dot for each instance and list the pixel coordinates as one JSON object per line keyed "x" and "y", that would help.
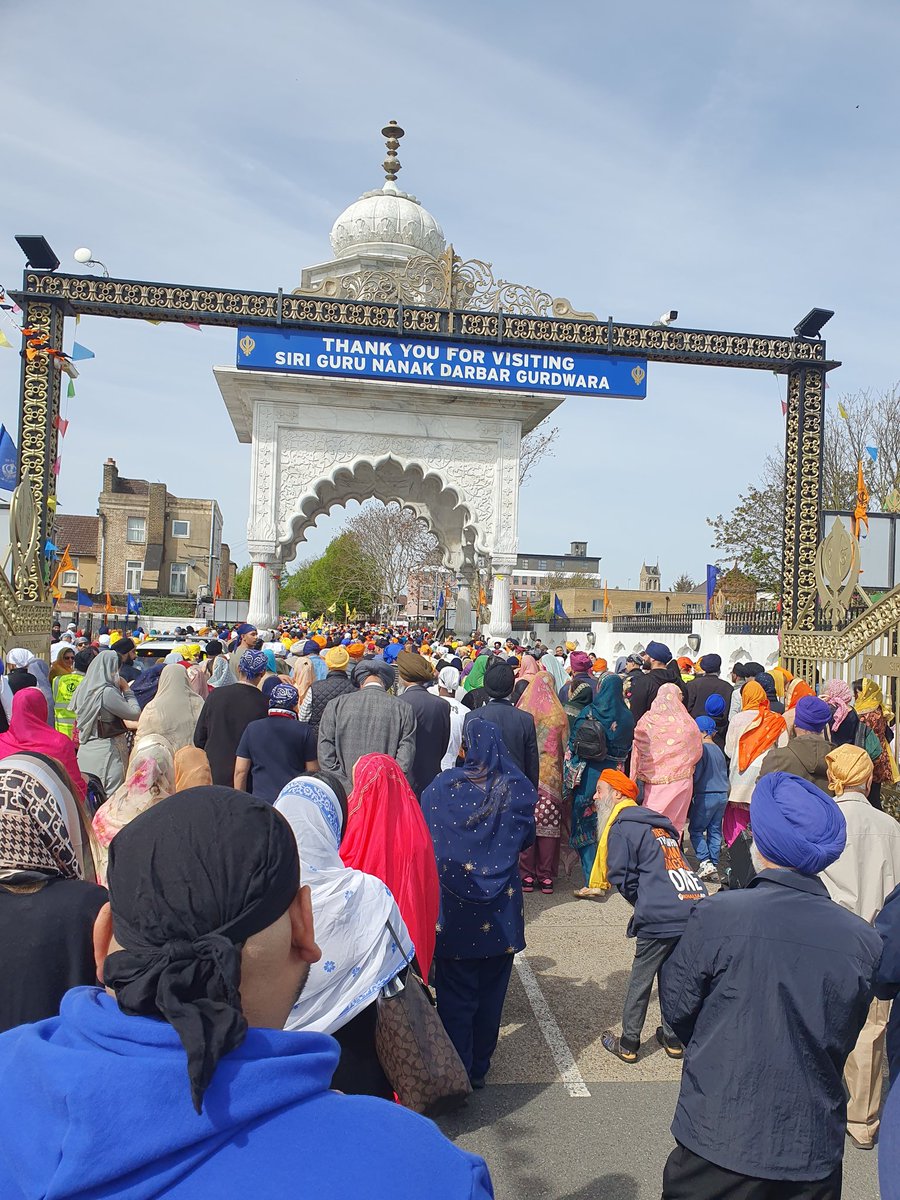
{"x": 598, "y": 871}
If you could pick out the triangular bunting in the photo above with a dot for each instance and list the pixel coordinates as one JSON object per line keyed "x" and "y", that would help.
{"x": 79, "y": 352}
{"x": 61, "y": 426}
{"x": 70, "y": 390}
{"x": 192, "y": 325}
{"x": 57, "y": 466}
{"x": 4, "y": 341}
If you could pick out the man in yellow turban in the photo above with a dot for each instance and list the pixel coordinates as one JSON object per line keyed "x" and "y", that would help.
{"x": 860, "y": 880}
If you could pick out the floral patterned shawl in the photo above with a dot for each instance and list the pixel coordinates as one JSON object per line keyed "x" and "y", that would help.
{"x": 552, "y": 728}
{"x": 667, "y": 742}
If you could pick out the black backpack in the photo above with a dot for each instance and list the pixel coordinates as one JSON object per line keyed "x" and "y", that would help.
{"x": 590, "y": 741}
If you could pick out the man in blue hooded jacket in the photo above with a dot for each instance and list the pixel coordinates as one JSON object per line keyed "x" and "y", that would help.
{"x": 178, "y": 1079}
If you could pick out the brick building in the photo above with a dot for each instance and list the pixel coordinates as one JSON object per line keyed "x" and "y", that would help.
{"x": 158, "y": 544}
{"x": 81, "y": 535}
{"x": 146, "y": 541}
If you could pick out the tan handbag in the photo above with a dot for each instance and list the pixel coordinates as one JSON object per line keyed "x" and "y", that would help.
{"x": 413, "y": 1047}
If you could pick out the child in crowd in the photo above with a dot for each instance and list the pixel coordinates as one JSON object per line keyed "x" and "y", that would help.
{"x": 638, "y": 853}
{"x": 709, "y": 800}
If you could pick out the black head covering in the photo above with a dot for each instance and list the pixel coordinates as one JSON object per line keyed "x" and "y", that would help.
{"x": 83, "y": 660}
{"x": 767, "y": 683}
{"x": 20, "y": 679}
{"x": 189, "y": 881}
{"x": 499, "y": 679}
{"x": 214, "y": 648}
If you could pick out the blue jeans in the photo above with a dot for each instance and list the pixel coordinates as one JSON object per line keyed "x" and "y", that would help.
{"x": 705, "y": 825}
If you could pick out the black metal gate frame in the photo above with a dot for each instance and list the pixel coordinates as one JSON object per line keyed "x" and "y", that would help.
{"x": 47, "y": 298}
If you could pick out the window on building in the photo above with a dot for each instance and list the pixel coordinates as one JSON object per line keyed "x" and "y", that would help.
{"x": 178, "y": 579}
{"x": 542, "y": 564}
{"x": 596, "y": 606}
{"x": 643, "y": 606}
{"x": 694, "y": 608}
{"x": 136, "y": 530}
{"x": 69, "y": 579}
{"x": 525, "y": 564}
{"x": 133, "y": 573}
{"x": 181, "y": 529}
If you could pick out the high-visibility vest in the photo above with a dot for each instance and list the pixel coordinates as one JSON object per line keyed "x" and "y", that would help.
{"x": 64, "y": 688}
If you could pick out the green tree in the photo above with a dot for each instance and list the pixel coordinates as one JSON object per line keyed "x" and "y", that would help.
{"x": 683, "y": 583}
{"x": 242, "y": 580}
{"x": 344, "y": 575}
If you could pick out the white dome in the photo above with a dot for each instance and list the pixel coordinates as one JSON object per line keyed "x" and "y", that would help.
{"x": 386, "y": 216}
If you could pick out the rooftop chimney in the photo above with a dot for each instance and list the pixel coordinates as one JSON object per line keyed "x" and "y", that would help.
{"x": 110, "y": 475}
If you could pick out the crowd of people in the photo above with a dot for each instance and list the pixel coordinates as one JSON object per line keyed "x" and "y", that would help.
{"x": 267, "y": 832}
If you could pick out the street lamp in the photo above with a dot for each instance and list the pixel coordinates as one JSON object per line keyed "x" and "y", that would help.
{"x": 37, "y": 251}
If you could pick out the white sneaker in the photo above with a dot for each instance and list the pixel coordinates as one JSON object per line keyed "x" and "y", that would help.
{"x": 706, "y": 870}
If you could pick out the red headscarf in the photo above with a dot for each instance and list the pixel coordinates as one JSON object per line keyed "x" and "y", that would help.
{"x": 30, "y": 733}
{"x": 387, "y": 837}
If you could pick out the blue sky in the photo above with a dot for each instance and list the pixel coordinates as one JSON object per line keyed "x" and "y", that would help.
{"x": 736, "y": 162}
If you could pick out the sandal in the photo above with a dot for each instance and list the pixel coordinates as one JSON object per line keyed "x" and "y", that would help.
{"x": 673, "y": 1048}
{"x": 610, "y": 1042}
{"x": 547, "y": 887}
{"x": 527, "y": 884}
{"x": 587, "y": 893}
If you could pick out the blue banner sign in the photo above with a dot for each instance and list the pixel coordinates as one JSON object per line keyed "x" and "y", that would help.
{"x": 414, "y": 360}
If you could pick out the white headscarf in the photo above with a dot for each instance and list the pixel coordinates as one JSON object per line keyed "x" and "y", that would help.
{"x": 448, "y": 678}
{"x": 17, "y": 657}
{"x": 350, "y": 913}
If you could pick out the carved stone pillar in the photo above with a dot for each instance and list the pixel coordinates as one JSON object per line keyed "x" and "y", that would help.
{"x": 464, "y": 618}
{"x": 804, "y": 439}
{"x": 262, "y": 612}
{"x": 500, "y": 625}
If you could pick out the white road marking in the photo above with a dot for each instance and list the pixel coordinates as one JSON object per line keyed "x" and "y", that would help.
{"x": 553, "y": 1035}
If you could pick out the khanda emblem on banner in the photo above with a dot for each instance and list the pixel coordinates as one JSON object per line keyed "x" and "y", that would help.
{"x": 637, "y": 375}
{"x": 246, "y": 344}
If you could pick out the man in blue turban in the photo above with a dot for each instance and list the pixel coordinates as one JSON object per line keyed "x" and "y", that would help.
{"x": 807, "y": 750}
{"x": 768, "y": 990}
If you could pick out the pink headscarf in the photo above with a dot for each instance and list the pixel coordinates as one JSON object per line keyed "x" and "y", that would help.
{"x": 667, "y": 742}
{"x": 30, "y": 733}
{"x": 529, "y": 668}
{"x": 839, "y": 695}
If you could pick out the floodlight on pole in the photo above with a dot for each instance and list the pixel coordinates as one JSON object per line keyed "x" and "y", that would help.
{"x": 812, "y": 323}
{"x": 37, "y": 251}
{"x": 86, "y": 257}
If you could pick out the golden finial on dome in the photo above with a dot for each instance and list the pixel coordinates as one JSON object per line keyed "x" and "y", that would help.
{"x": 393, "y": 133}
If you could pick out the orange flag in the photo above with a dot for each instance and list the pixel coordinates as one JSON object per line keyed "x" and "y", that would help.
{"x": 65, "y": 564}
{"x": 605, "y": 600}
{"x": 109, "y": 603}
{"x": 861, "y": 512}
{"x": 482, "y": 598}
{"x": 516, "y": 606}
{"x": 529, "y": 611}
{"x": 217, "y": 594}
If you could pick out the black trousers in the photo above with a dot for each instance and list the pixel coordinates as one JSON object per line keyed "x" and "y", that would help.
{"x": 359, "y": 1071}
{"x": 470, "y": 995}
{"x": 689, "y": 1177}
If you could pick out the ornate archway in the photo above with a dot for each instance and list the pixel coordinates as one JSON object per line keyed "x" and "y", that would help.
{"x": 317, "y": 443}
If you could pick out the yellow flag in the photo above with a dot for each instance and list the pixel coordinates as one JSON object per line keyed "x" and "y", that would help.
{"x": 482, "y": 598}
{"x": 4, "y": 341}
{"x": 332, "y": 608}
{"x": 346, "y": 611}
{"x": 605, "y": 600}
{"x": 842, "y": 411}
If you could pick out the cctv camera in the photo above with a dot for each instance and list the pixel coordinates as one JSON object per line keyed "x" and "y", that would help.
{"x": 668, "y": 317}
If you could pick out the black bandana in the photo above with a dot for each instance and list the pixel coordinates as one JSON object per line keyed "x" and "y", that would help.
{"x": 189, "y": 881}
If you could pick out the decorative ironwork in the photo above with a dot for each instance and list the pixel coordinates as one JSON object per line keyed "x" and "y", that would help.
{"x": 659, "y": 623}
{"x": 446, "y": 282}
{"x": 25, "y": 541}
{"x": 24, "y": 618}
{"x": 804, "y": 435}
{"x": 37, "y": 429}
{"x": 174, "y": 302}
{"x": 837, "y": 572}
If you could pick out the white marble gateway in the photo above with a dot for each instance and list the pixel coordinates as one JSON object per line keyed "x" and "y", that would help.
{"x": 450, "y": 453}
